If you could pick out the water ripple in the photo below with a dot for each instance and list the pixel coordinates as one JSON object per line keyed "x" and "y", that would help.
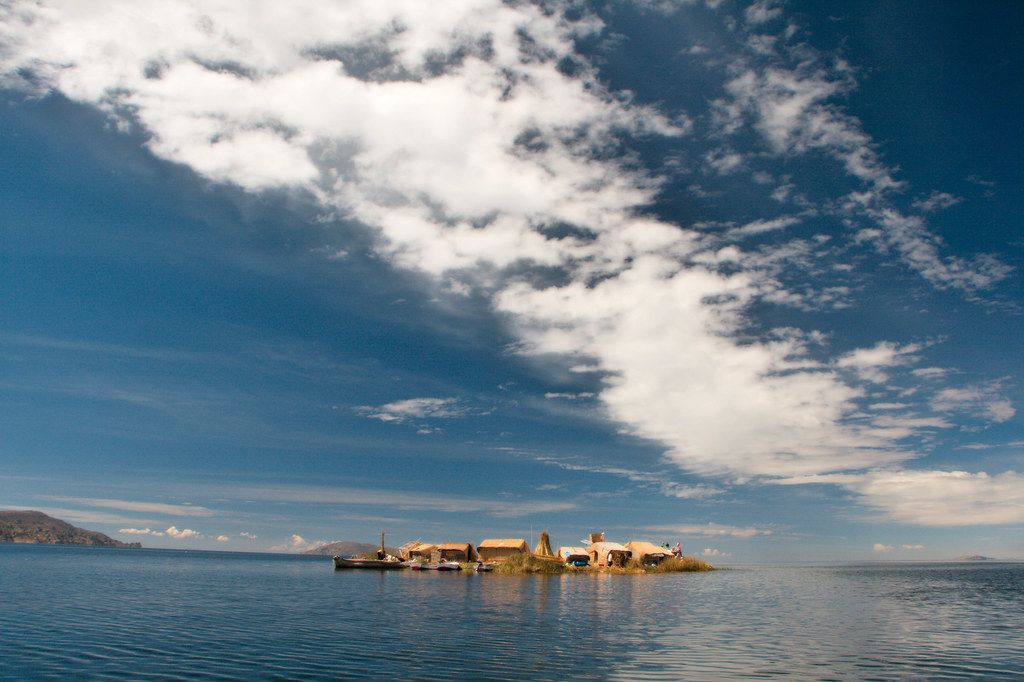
{"x": 107, "y": 614}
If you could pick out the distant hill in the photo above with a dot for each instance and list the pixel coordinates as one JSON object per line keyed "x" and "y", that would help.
{"x": 974, "y": 557}
{"x": 347, "y": 548}
{"x": 34, "y": 527}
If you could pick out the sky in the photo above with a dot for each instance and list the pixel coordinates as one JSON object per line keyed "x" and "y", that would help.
{"x": 742, "y": 275}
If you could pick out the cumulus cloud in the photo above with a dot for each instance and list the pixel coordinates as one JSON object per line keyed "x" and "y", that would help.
{"x": 140, "y": 531}
{"x": 880, "y": 548}
{"x": 222, "y": 538}
{"x": 913, "y": 548}
{"x": 712, "y": 552}
{"x": 183, "y": 534}
{"x": 297, "y": 543}
{"x": 247, "y": 535}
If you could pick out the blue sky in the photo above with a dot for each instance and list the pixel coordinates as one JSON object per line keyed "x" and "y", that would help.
{"x": 744, "y": 275}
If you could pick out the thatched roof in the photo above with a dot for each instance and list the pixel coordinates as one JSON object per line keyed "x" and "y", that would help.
{"x": 604, "y": 547}
{"x": 514, "y": 543}
{"x": 422, "y": 547}
{"x": 643, "y": 548}
{"x": 461, "y": 546}
{"x": 566, "y": 552}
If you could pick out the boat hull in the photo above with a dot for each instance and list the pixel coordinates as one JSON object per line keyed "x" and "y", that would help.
{"x": 449, "y": 566}
{"x": 342, "y": 562}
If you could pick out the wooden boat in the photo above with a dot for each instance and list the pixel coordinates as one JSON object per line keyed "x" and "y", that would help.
{"x": 342, "y": 562}
{"x": 484, "y": 568}
{"x": 442, "y": 566}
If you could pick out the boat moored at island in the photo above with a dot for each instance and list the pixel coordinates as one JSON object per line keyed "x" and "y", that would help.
{"x": 439, "y": 566}
{"x": 380, "y": 564}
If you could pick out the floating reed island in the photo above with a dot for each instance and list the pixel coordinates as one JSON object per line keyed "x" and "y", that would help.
{"x": 512, "y": 556}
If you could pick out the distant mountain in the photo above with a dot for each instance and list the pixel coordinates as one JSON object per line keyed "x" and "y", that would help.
{"x": 36, "y": 528}
{"x": 347, "y": 548}
{"x": 974, "y": 557}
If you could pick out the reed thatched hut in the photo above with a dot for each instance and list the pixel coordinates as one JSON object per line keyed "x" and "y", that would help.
{"x": 456, "y": 551}
{"x": 499, "y": 550}
{"x": 574, "y": 555}
{"x": 421, "y": 551}
{"x": 648, "y": 553}
{"x": 608, "y": 554}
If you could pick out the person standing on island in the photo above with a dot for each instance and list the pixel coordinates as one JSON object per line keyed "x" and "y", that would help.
{"x": 677, "y": 551}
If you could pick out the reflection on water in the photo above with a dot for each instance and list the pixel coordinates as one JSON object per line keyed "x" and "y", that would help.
{"x": 115, "y": 614}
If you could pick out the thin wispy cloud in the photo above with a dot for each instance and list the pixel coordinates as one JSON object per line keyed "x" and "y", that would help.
{"x": 935, "y": 498}
{"x": 391, "y": 499}
{"x": 713, "y": 530}
{"x": 129, "y": 505}
{"x": 415, "y": 408}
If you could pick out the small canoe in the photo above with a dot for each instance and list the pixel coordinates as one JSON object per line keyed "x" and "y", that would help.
{"x": 484, "y": 568}
{"x": 342, "y": 562}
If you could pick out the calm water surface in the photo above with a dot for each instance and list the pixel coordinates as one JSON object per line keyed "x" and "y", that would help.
{"x": 100, "y": 613}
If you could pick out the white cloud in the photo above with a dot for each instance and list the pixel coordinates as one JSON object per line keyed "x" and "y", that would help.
{"x": 724, "y": 162}
{"x": 909, "y": 236}
{"x": 930, "y": 372}
{"x": 569, "y": 396}
{"x": 689, "y": 492}
{"x": 390, "y": 498}
{"x": 415, "y": 408}
{"x": 140, "y": 531}
{"x": 713, "y": 530}
{"x": 936, "y": 201}
{"x": 657, "y": 480}
{"x": 795, "y": 111}
{"x": 712, "y": 552}
{"x": 913, "y": 548}
{"x": 247, "y": 535}
{"x": 183, "y": 534}
{"x": 762, "y": 11}
{"x": 127, "y": 505}
{"x": 463, "y": 168}
{"x": 982, "y": 401}
{"x": 666, "y": 337}
{"x": 297, "y": 543}
{"x": 879, "y": 547}
{"x": 757, "y": 227}
{"x": 791, "y": 109}
{"x": 222, "y": 538}
{"x": 936, "y": 498}
{"x": 869, "y": 361}
{"x": 989, "y": 446}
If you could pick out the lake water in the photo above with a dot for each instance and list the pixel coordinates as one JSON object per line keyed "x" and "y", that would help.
{"x": 100, "y": 613}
